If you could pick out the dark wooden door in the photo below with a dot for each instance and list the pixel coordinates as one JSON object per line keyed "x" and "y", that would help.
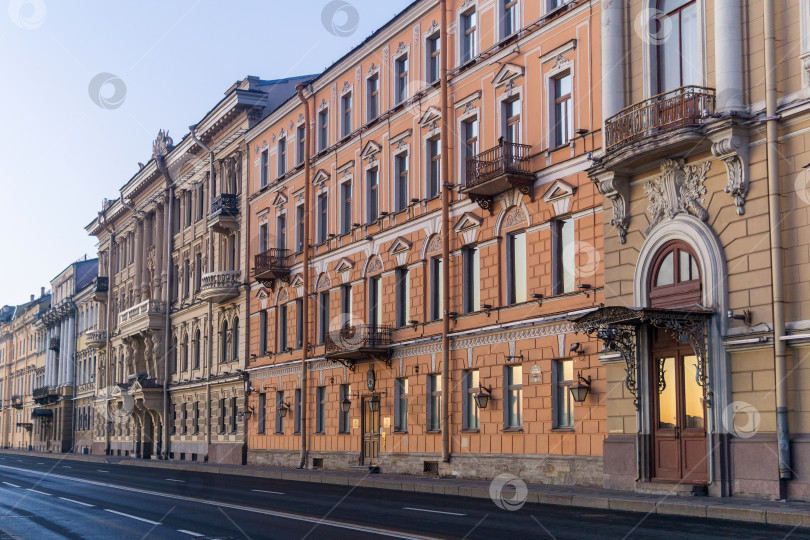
{"x": 679, "y": 433}
{"x": 371, "y": 434}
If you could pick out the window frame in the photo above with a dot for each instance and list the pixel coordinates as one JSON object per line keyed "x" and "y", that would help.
{"x": 561, "y": 399}
{"x": 468, "y": 36}
{"x": 401, "y": 405}
{"x": 323, "y": 129}
{"x": 470, "y": 379}
{"x": 513, "y": 390}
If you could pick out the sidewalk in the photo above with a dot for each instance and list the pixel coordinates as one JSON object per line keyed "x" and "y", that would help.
{"x": 737, "y": 509}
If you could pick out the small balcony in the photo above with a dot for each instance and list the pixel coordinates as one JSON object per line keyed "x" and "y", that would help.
{"x": 683, "y": 107}
{"x": 141, "y": 317}
{"x": 53, "y": 345}
{"x": 359, "y": 342}
{"x": 45, "y": 395}
{"x": 100, "y": 287}
{"x": 497, "y": 170}
{"x": 220, "y": 287}
{"x": 273, "y": 264}
{"x": 96, "y": 338}
{"x": 17, "y": 402}
{"x": 224, "y": 216}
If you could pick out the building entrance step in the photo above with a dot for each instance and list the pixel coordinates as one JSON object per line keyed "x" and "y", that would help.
{"x": 371, "y": 469}
{"x": 665, "y": 488}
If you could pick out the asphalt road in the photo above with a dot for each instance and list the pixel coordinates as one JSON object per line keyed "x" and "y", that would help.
{"x": 45, "y": 498}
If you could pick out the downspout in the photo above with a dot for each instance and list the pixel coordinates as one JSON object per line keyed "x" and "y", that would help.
{"x": 305, "y": 304}
{"x": 445, "y": 150}
{"x": 169, "y": 233}
{"x": 73, "y": 395}
{"x": 108, "y": 339}
{"x": 775, "y": 230}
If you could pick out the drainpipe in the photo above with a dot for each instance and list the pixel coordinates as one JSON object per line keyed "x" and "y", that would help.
{"x": 445, "y": 134}
{"x": 107, "y": 353}
{"x": 774, "y": 213}
{"x": 169, "y": 233}
{"x": 307, "y": 213}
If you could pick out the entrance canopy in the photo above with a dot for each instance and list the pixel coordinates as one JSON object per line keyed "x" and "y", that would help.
{"x": 42, "y": 412}
{"x": 617, "y": 327}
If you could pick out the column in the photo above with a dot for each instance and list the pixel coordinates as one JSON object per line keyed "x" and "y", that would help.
{"x": 728, "y": 55}
{"x": 147, "y": 245}
{"x": 60, "y": 357}
{"x": 48, "y": 355}
{"x": 157, "y": 279}
{"x": 138, "y": 259}
{"x": 612, "y": 58}
{"x": 71, "y": 348}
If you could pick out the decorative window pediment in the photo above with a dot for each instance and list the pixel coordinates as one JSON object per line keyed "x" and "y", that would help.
{"x": 509, "y": 72}
{"x": 297, "y": 281}
{"x": 399, "y": 245}
{"x": 432, "y": 114}
{"x": 321, "y": 177}
{"x": 280, "y": 200}
{"x": 559, "y": 196}
{"x": 468, "y": 220}
{"x": 370, "y": 151}
{"x": 344, "y": 265}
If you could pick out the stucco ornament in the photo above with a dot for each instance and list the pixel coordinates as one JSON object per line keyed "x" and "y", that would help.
{"x": 162, "y": 144}
{"x": 679, "y": 189}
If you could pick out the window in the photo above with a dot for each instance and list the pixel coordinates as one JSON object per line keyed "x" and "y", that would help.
{"x": 469, "y": 131}
{"x": 222, "y": 415}
{"x": 263, "y": 238}
{"x": 343, "y": 424}
{"x": 563, "y": 377}
{"x": 345, "y": 207}
{"x": 372, "y": 195}
{"x": 299, "y": 228}
{"x": 469, "y": 23}
{"x": 235, "y": 340}
{"x": 374, "y": 298}
{"x": 516, "y": 267}
{"x": 401, "y": 405}
{"x": 511, "y": 118}
{"x": 346, "y": 115}
{"x": 563, "y": 109}
{"x": 233, "y": 414}
{"x": 282, "y": 328}
{"x": 281, "y": 232}
{"x": 297, "y": 412}
{"x": 174, "y": 418}
{"x": 434, "y": 402}
{"x": 372, "y": 98}
{"x": 346, "y": 303}
{"x": 510, "y": 17}
{"x": 401, "y": 182}
{"x": 675, "y": 277}
{"x": 262, "y": 332}
{"x": 323, "y": 223}
{"x": 299, "y": 323}
{"x": 564, "y": 256}
{"x": 301, "y": 139}
{"x": 262, "y": 414}
{"x": 197, "y": 347}
{"x": 468, "y": 404}
{"x": 282, "y": 157}
{"x": 678, "y": 55}
{"x": 184, "y": 419}
{"x": 320, "y": 411}
{"x": 403, "y": 294}
{"x": 436, "y": 288}
{"x": 433, "y": 51}
{"x": 471, "y": 267}
{"x": 200, "y": 202}
{"x": 323, "y": 315}
{"x": 323, "y": 130}
{"x": 187, "y": 280}
{"x": 401, "y": 83}
{"x": 513, "y": 402}
{"x": 265, "y": 166}
{"x": 435, "y": 167}
{"x": 279, "y": 418}
{"x": 198, "y": 272}
{"x": 223, "y": 343}
{"x": 188, "y": 207}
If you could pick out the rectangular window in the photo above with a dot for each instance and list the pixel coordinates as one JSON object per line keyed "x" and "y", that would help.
{"x": 511, "y": 118}
{"x": 516, "y": 267}
{"x": 436, "y": 289}
{"x": 301, "y": 140}
{"x": 401, "y": 405}
{"x": 297, "y": 412}
{"x": 401, "y": 74}
{"x": 435, "y": 167}
{"x": 469, "y": 131}
{"x": 323, "y": 208}
{"x": 222, "y": 415}
{"x": 372, "y": 195}
{"x": 196, "y": 417}
{"x": 323, "y": 130}
{"x": 563, "y": 110}
{"x": 323, "y": 316}
{"x": 189, "y": 207}
{"x": 345, "y": 395}
{"x": 433, "y": 51}
{"x": 469, "y": 22}
{"x": 468, "y": 404}
{"x": 234, "y": 410}
{"x": 471, "y": 264}
{"x": 282, "y": 328}
{"x": 263, "y": 238}
{"x": 282, "y": 157}
{"x": 320, "y": 411}
{"x": 346, "y": 303}
{"x": 281, "y": 232}
{"x": 346, "y": 115}
{"x": 200, "y": 202}
{"x": 299, "y": 323}
{"x": 563, "y": 407}
{"x": 372, "y": 98}
{"x": 434, "y": 402}
{"x": 564, "y": 256}
{"x": 403, "y": 294}
{"x": 184, "y": 418}
{"x": 264, "y": 164}
{"x": 345, "y": 207}
{"x": 513, "y": 401}
{"x": 262, "y": 332}
{"x": 262, "y": 413}
{"x": 401, "y": 182}
{"x": 374, "y": 299}
{"x": 510, "y": 17}
{"x": 299, "y": 228}
{"x": 279, "y": 405}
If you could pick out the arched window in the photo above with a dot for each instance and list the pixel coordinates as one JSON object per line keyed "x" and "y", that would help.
{"x": 197, "y": 349}
{"x": 235, "y": 340}
{"x": 185, "y": 353}
{"x": 223, "y": 343}
{"x": 675, "y": 278}
{"x": 675, "y": 29}
{"x": 173, "y": 358}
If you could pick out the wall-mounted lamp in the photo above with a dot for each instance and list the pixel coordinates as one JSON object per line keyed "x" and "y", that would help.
{"x": 452, "y": 314}
{"x": 283, "y": 409}
{"x": 579, "y": 390}
{"x": 416, "y": 369}
{"x": 374, "y": 403}
{"x": 482, "y": 396}
{"x": 538, "y": 296}
{"x": 581, "y": 131}
{"x": 487, "y": 307}
{"x": 345, "y": 405}
{"x": 746, "y": 316}
{"x": 512, "y": 358}
{"x": 383, "y": 214}
{"x": 245, "y": 416}
{"x": 414, "y": 323}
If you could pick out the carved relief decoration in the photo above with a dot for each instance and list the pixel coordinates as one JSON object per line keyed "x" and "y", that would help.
{"x": 733, "y": 151}
{"x": 678, "y": 189}
{"x": 617, "y": 190}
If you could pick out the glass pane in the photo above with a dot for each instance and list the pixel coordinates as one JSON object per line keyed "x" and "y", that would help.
{"x": 568, "y": 254}
{"x": 670, "y": 56}
{"x": 476, "y": 282}
{"x": 520, "y": 267}
{"x": 666, "y": 272}
{"x": 567, "y": 371}
{"x": 692, "y": 394}
{"x": 666, "y": 393}
{"x": 690, "y": 62}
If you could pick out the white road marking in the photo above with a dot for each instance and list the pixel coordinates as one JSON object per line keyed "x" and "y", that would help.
{"x": 77, "y": 502}
{"x": 133, "y": 517}
{"x": 190, "y": 533}
{"x": 174, "y": 480}
{"x": 99, "y": 470}
{"x": 433, "y": 511}
{"x": 66, "y": 467}
{"x": 40, "y": 463}
{"x": 40, "y": 492}
{"x": 270, "y": 492}
{"x": 10, "y": 484}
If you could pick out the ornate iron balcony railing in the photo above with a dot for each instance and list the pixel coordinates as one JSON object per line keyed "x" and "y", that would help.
{"x": 226, "y": 205}
{"x": 506, "y": 158}
{"x": 358, "y": 338}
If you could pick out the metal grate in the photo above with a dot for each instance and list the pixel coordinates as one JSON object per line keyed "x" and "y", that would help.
{"x": 431, "y": 467}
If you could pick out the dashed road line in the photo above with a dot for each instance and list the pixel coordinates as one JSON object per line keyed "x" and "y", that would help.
{"x": 10, "y": 484}
{"x": 432, "y": 511}
{"x": 77, "y": 502}
{"x": 175, "y": 480}
{"x": 270, "y": 492}
{"x": 40, "y": 492}
{"x": 132, "y": 517}
{"x": 190, "y": 533}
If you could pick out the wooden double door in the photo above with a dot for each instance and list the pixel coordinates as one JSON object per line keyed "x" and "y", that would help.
{"x": 371, "y": 433}
{"x": 679, "y": 414}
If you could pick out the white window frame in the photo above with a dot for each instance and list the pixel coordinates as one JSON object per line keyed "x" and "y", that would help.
{"x": 348, "y": 90}
{"x": 404, "y": 150}
{"x": 374, "y": 72}
{"x": 504, "y": 97}
{"x": 464, "y": 117}
{"x": 501, "y": 18}
{"x": 346, "y": 179}
{"x": 428, "y": 36}
{"x": 548, "y": 82}
{"x": 405, "y": 52}
{"x": 460, "y": 29}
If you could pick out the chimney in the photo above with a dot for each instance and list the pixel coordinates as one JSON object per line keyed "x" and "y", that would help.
{"x": 41, "y": 292}
{"x": 32, "y": 297}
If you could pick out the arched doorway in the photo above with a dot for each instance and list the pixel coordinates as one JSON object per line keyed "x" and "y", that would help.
{"x": 678, "y": 407}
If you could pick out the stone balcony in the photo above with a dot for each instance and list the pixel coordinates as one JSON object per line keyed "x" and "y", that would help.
{"x": 148, "y": 315}
{"x": 96, "y": 338}
{"x": 45, "y": 395}
{"x": 220, "y": 287}
{"x": 224, "y": 216}
{"x": 100, "y": 286}
{"x": 17, "y": 402}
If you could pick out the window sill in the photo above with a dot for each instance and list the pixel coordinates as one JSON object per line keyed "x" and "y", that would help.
{"x": 513, "y": 430}
{"x": 563, "y": 430}
{"x": 471, "y": 431}
{"x": 398, "y": 432}
{"x": 433, "y": 431}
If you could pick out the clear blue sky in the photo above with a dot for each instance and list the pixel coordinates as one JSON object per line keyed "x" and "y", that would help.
{"x": 61, "y": 153}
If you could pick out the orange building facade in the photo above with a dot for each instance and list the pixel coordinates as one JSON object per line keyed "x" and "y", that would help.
{"x": 522, "y": 248}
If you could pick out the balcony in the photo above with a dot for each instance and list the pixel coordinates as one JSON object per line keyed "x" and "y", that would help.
{"x": 86, "y": 387}
{"x": 496, "y": 170}
{"x": 96, "y": 338}
{"x": 224, "y": 213}
{"x": 54, "y": 344}
{"x": 17, "y": 402}
{"x": 144, "y": 316}
{"x": 100, "y": 287}
{"x": 271, "y": 265}
{"x": 360, "y": 342}
{"x": 683, "y": 107}
{"x": 45, "y": 395}
{"x": 219, "y": 287}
